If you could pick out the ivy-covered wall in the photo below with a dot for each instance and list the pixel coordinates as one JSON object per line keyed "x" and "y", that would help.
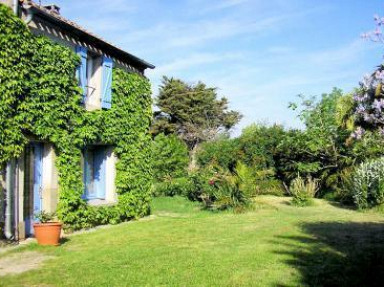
{"x": 40, "y": 98}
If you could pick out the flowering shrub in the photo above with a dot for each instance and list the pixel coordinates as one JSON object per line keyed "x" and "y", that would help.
{"x": 369, "y": 99}
{"x": 369, "y": 104}
{"x": 376, "y": 35}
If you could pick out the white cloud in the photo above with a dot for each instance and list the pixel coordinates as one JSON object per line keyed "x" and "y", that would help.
{"x": 193, "y": 60}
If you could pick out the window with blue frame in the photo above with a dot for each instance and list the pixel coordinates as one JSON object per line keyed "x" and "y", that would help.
{"x": 95, "y": 172}
{"x": 95, "y": 78}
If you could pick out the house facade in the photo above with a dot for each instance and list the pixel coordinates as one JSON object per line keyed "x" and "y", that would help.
{"x": 30, "y": 183}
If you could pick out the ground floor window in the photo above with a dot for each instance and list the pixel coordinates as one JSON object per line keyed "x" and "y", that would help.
{"x": 95, "y": 158}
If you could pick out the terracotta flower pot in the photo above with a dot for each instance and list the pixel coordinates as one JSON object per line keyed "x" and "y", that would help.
{"x": 48, "y": 233}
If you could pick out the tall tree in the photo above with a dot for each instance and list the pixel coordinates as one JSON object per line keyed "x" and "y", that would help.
{"x": 193, "y": 112}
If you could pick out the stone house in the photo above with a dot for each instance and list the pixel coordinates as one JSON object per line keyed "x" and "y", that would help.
{"x": 30, "y": 182}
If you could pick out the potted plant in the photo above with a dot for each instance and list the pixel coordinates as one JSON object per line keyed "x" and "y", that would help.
{"x": 47, "y": 231}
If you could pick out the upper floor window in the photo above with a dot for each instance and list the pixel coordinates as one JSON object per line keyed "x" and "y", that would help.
{"x": 95, "y": 79}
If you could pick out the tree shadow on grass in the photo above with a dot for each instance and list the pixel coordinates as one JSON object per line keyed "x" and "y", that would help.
{"x": 342, "y": 205}
{"x": 337, "y": 254}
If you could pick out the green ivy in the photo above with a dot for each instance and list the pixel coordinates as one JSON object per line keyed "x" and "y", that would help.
{"x": 40, "y": 98}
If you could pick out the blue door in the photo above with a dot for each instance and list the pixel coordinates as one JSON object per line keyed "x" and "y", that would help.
{"x": 37, "y": 161}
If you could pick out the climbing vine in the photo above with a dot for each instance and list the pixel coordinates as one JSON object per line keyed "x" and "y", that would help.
{"x": 40, "y": 98}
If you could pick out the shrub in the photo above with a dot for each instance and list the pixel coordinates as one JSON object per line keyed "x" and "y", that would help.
{"x": 172, "y": 187}
{"x": 271, "y": 186}
{"x": 229, "y": 190}
{"x": 303, "y": 191}
{"x": 368, "y": 184}
{"x": 200, "y": 184}
{"x": 169, "y": 157}
{"x": 221, "y": 152}
{"x": 247, "y": 179}
{"x": 258, "y": 145}
{"x": 342, "y": 191}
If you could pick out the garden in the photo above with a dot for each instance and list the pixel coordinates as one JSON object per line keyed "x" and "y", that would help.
{"x": 274, "y": 206}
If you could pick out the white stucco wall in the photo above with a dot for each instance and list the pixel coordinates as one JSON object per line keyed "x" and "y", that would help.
{"x": 6, "y": 2}
{"x": 94, "y": 91}
{"x": 50, "y": 183}
{"x": 110, "y": 195}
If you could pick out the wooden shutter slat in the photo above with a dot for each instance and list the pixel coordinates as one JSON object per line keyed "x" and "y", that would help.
{"x": 81, "y": 71}
{"x": 106, "y": 95}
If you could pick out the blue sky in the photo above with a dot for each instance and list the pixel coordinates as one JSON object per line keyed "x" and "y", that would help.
{"x": 260, "y": 54}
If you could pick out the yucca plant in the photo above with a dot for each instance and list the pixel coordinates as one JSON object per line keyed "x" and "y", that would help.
{"x": 303, "y": 191}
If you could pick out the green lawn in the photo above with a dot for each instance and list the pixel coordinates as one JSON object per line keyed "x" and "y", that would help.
{"x": 273, "y": 245}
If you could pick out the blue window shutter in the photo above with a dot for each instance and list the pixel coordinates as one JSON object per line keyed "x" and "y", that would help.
{"x": 37, "y": 176}
{"x": 81, "y": 72}
{"x": 106, "y": 92}
{"x": 99, "y": 172}
{"x": 37, "y": 185}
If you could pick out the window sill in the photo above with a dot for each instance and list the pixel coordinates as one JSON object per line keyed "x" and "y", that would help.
{"x": 99, "y": 202}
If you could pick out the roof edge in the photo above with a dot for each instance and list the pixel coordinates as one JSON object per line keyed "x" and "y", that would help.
{"x": 57, "y": 19}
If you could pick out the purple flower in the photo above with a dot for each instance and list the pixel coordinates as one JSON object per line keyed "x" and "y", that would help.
{"x": 378, "y": 104}
{"x": 367, "y": 117}
{"x": 360, "y": 110}
{"x": 379, "y": 75}
{"x": 366, "y": 82}
{"x": 358, "y": 133}
{"x": 360, "y": 98}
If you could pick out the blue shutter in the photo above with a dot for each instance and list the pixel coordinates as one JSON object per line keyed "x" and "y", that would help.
{"x": 37, "y": 177}
{"x": 81, "y": 72}
{"x": 106, "y": 92}
{"x": 99, "y": 172}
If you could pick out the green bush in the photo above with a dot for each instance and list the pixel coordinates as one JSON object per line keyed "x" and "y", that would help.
{"x": 223, "y": 152}
{"x": 258, "y": 145}
{"x": 200, "y": 184}
{"x": 256, "y": 182}
{"x": 368, "y": 184}
{"x": 228, "y": 190}
{"x": 303, "y": 191}
{"x": 172, "y": 187}
{"x": 271, "y": 186}
{"x": 169, "y": 157}
{"x": 342, "y": 191}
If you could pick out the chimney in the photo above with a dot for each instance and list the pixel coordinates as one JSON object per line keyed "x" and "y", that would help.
{"x": 52, "y": 8}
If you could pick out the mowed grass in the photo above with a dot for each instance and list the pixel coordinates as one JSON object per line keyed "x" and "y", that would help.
{"x": 275, "y": 244}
